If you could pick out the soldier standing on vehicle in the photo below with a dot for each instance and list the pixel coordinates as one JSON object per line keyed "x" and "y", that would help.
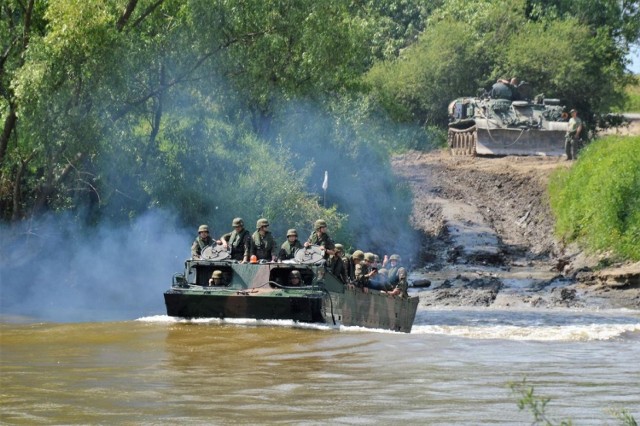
{"x": 202, "y": 241}
{"x": 239, "y": 241}
{"x": 289, "y": 247}
{"x": 321, "y": 238}
{"x": 264, "y": 245}
{"x": 574, "y": 135}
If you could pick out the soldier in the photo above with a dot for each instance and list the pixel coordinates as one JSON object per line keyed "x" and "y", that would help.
{"x": 336, "y": 265}
{"x": 202, "y": 241}
{"x": 573, "y": 136}
{"x": 372, "y": 265}
{"x": 216, "y": 279}
{"x": 321, "y": 238}
{"x": 364, "y": 272}
{"x": 355, "y": 259}
{"x": 264, "y": 245}
{"x": 394, "y": 266}
{"x": 289, "y": 247}
{"x": 295, "y": 279}
{"x": 239, "y": 241}
{"x": 400, "y": 289}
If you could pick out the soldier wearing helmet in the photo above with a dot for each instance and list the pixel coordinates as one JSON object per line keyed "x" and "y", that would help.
{"x": 295, "y": 279}
{"x": 393, "y": 264}
{"x": 352, "y": 261}
{"x": 263, "y": 245}
{"x": 289, "y": 247}
{"x": 365, "y": 272}
{"x": 336, "y": 265}
{"x": 216, "y": 279}
{"x": 321, "y": 238}
{"x": 202, "y": 241}
{"x": 240, "y": 241}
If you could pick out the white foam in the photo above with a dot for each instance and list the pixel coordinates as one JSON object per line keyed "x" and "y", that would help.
{"x": 537, "y": 333}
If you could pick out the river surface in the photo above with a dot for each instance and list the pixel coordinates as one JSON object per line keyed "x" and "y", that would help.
{"x": 454, "y": 368}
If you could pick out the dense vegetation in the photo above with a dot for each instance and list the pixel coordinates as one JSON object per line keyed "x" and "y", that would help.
{"x": 632, "y": 97}
{"x": 597, "y": 201}
{"x": 218, "y": 108}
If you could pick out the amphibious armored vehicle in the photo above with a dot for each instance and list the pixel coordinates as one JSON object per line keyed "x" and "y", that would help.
{"x": 261, "y": 291}
{"x": 495, "y": 126}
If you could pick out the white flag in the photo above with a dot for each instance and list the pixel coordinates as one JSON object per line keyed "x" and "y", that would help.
{"x": 325, "y": 184}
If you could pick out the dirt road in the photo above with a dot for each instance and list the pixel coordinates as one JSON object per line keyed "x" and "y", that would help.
{"x": 488, "y": 237}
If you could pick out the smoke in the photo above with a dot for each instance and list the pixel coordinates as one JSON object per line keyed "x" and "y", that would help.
{"x": 53, "y": 269}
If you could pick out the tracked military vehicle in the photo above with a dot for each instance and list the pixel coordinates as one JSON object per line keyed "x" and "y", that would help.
{"x": 262, "y": 291}
{"x": 490, "y": 125}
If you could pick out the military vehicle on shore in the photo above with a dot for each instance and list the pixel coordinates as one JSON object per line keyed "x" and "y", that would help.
{"x": 262, "y": 291}
{"x": 491, "y": 125}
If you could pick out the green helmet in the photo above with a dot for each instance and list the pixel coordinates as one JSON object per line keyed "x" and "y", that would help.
{"x": 295, "y": 274}
{"x": 370, "y": 257}
{"x": 262, "y": 222}
{"x": 395, "y": 257}
{"x": 358, "y": 255}
{"x": 237, "y": 222}
{"x": 320, "y": 223}
{"x": 340, "y": 248}
{"x": 203, "y": 228}
{"x": 216, "y": 274}
{"x": 291, "y": 232}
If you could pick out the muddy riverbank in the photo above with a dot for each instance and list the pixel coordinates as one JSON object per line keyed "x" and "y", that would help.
{"x": 488, "y": 238}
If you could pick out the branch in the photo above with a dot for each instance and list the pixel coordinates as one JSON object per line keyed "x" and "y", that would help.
{"x": 147, "y": 12}
{"x": 182, "y": 78}
{"x": 124, "y": 18}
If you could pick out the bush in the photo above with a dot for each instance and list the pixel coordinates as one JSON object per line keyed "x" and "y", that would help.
{"x": 597, "y": 201}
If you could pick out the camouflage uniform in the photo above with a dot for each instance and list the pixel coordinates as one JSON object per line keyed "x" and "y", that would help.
{"x": 324, "y": 240}
{"x": 337, "y": 267}
{"x": 571, "y": 139}
{"x": 240, "y": 244}
{"x": 263, "y": 246}
{"x": 361, "y": 280}
{"x": 200, "y": 244}
{"x": 288, "y": 250}
{"x": 403, "y": 284}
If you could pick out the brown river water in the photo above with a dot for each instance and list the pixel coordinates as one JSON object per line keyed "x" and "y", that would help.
{"x": 452, "y": 369}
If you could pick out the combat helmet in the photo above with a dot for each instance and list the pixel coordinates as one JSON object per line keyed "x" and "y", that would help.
{"x": 203, "y": 228}
{"x": 216, "y": 274}
{"x": 295, "y": 274}
{"x": 370, "y": 257}
{"x": 395, "y": 257}
{"x": 358, "y": 255}
{"x": 237, "y": 222}
{"x": 320, "y": 223}
{"x": 339, "y": 248}
{"x": 291, "y": 232}
{"x": 262, "y": 222}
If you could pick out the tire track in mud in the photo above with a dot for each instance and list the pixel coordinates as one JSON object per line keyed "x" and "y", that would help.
{"x": 488, "y": 234}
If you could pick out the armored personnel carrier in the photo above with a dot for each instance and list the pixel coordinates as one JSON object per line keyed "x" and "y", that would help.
{"x": 262, "y": 291}
{"x": 497, "y": 126}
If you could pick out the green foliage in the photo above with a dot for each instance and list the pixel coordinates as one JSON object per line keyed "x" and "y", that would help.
{"x": 597, "y": 201}
{"x": 537, "y": 405}
{"x": 566, "y": 51}
{"x": 631, "y": 96}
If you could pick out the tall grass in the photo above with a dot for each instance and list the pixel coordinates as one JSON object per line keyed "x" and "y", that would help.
{"x": 597, "y": 201}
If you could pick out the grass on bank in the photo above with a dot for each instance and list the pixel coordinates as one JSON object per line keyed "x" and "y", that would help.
{"x": 597, "y": 201}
